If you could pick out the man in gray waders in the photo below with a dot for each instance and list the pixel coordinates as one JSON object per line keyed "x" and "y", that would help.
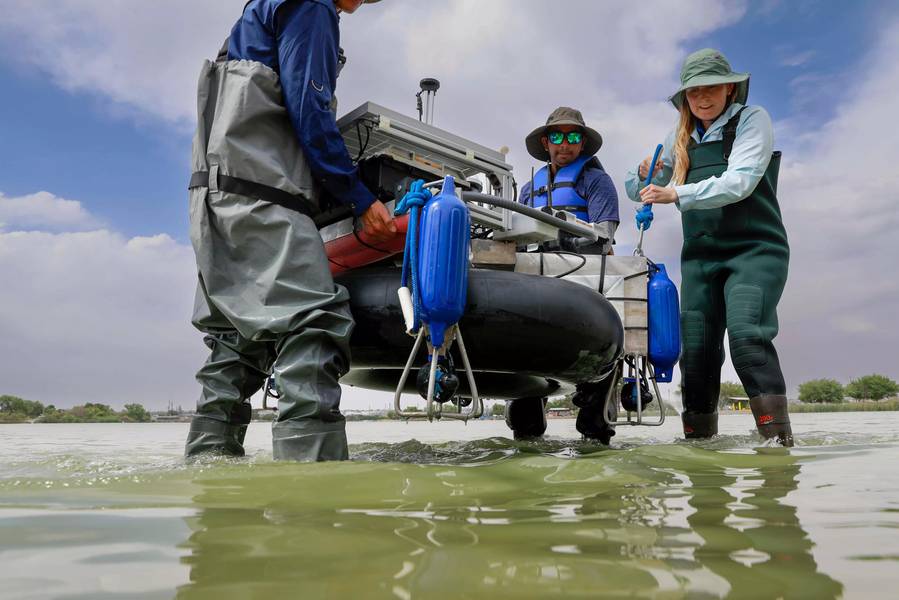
{"x": 266, "y": 146}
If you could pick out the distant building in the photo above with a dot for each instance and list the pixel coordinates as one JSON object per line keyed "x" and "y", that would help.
{"x": 738, "y": 403}
{"x": 559, "y": 411}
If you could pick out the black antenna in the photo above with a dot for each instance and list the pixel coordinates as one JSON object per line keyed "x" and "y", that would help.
{"x": 429, "y": 87}
{"x": 550, "y": 182}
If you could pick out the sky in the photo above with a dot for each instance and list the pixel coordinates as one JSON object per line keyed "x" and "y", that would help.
{"x": 98, "y": 103}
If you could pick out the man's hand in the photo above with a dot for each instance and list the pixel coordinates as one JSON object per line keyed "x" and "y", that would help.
{"x": 643, "y": 171}
{"x": 656, "y": 194}
{"x": 377, "y": 222}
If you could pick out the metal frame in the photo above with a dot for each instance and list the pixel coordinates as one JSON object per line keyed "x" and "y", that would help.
{"x": 615, "y": 392}
{"x": 435, "y": 409}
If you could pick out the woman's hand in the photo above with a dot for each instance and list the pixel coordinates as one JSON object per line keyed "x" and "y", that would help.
{"x": 656, "y": 194}
{"x": 643, "y": 170}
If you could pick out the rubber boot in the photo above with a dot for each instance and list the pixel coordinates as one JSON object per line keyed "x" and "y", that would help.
{"x": 699, "y": 426}
{"x": 209, "y": 436}
{"x": 772, "y": 418}
{"x": 526, "y": 417}
{"x": 590, "y": 422}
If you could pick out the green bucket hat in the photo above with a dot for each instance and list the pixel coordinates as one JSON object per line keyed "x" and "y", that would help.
{"x": 709, "y": 67}
{"x": 563, "y": 116}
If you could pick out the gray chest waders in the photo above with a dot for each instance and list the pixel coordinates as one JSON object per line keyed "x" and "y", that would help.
{"x": 265, "y": 298}
{"x": 734, "y": 267}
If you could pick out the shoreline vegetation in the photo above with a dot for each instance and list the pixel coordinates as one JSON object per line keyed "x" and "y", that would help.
{"x": 14, "y": 410}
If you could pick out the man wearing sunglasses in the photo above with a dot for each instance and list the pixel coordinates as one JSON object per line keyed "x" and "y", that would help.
{"x": 573, "y": 180}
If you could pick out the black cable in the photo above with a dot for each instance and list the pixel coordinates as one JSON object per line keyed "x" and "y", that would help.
{"x": 602, "y": 276}
{"x": 580, "y": 256}
{"x": 362, "y": 146}
{"x": 366, "y": 244}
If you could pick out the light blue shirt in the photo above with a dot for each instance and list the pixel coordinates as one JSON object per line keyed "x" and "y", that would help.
{"x": 747, "y": 163}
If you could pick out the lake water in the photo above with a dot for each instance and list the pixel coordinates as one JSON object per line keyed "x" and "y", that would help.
{"x": 446, "y": 510}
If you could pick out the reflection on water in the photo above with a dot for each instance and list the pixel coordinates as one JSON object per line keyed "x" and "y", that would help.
{"x": 113, "y": 512}
{"x": 675, "y": 520}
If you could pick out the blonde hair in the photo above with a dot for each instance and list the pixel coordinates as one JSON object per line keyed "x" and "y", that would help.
{"x": 685, "y": 126}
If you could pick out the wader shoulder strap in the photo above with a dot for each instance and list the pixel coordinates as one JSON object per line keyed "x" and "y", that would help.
{"x": 222, "y": 56}
{"x": 251, "y": 189}
{"x": 730, "y": 133}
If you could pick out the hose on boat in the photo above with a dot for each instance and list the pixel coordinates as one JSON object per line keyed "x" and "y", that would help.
{"x": 644, "y": 214}
{"x": 570, "y": 271}
{"x": 534, "y": 213}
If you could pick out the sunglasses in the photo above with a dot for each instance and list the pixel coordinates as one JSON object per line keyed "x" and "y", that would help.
{"x": 557, "y": 137}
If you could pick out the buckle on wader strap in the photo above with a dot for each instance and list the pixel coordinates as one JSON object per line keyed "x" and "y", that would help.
{"x": 729, "y": 135}
{"x": 216, "y": 181}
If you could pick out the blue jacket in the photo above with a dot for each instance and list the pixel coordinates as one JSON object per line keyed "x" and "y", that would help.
{"x": 300, "y": 40}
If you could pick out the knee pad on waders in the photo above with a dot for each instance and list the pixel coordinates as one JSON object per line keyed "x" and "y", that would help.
{"x": 772, "y": 418}
{"x": 699, "y": 426}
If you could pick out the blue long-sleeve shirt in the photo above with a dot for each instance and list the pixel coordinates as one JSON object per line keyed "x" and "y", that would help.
{"x": 300, "y": 39}
{"x": 747, "y": 163}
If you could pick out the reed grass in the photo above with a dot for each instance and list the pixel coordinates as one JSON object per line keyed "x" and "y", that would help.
{"x": 867, "y": 406}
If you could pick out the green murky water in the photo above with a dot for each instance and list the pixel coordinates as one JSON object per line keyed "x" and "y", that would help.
{"x": 97, "y": 511}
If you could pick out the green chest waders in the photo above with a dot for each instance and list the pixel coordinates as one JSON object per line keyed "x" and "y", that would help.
{"x": 734, "y": 267}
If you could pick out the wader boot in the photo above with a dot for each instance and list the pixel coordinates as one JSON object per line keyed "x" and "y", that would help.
{"x": 772, "y": 418}
{"x": 234, "y": 371}
{"x": 208, "y": 436}
{"x": 698, "y": 426}
{"x": 734, "y": 267}
{"x": 266, "y": 298}
{"x": 526, "y": 417}
{"x": 590, "y": 399}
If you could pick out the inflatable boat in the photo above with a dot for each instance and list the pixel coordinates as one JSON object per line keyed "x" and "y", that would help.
{"x": 539, "y": 318}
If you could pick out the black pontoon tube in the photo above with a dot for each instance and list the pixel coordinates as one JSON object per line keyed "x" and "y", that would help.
{"x": 536, "y": 214}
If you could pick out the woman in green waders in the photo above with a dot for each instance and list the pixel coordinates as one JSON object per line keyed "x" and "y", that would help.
{"x": 718, "y": 168}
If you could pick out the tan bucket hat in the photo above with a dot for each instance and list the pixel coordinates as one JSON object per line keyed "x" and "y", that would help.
{"x": 563, "y": 116}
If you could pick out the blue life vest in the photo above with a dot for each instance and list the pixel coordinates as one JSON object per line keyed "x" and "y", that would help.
{"x": 565, "y": 197}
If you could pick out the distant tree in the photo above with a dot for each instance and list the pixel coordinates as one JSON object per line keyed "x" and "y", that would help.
{"x": 821, "y": 390}
{"x": 498, "y": 409}
{"x": 20, "y": 406}
{"x": 137, "y": 413}
{"x": 564, "y": 402}
{"x": 729, "y": 389}
{"x": 872, "y": 387}
{"x": 93, "y": 413}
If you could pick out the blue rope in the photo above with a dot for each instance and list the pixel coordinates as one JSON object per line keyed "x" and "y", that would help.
{"x": 412, "y": 203}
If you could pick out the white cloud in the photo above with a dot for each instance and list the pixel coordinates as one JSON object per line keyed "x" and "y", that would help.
{"x": 797, "y": 59}
{"x": 842, "y": 211}
{"x": 44, "y": 212}
{"x": 96, "y": 317}
{"x": 140, "y": 55}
